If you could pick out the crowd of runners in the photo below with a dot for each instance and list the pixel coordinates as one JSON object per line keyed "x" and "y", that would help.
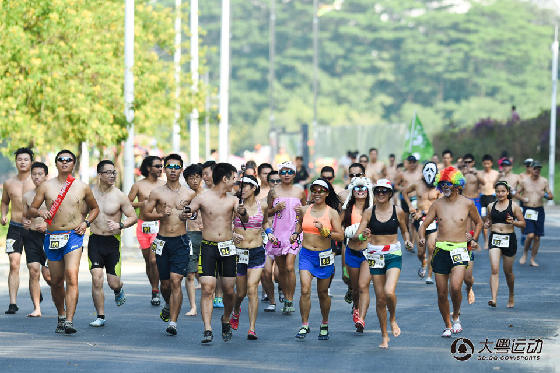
{"x": 227, "y": 231}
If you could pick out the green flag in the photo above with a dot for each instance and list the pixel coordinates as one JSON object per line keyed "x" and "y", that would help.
{"x": 417, "y": 143}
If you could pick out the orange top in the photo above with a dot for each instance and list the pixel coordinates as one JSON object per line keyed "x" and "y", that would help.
{"x": 356, "y": 217}
{"x": 310, "y": 228}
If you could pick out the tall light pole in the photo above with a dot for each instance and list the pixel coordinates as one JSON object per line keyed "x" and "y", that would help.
{"x": 176, "y": 137}
{"x": 128, "y": 176}
{"x": 207, "y": 119}
{"x": 315, "y": 73}
{"x": 194, "y": 74}
{"x": 271, "y": 77}
{"x": 552, "y": 143}
{"x": 224, "y": 84}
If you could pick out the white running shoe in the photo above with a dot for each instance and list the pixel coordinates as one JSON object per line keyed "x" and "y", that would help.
{"x": 97, "y": 322}
{"x": 456, "y": 327}
{"x": 429, "y": 280}
{"x": 446, "y": 333}
{"x": 330, "y": 295}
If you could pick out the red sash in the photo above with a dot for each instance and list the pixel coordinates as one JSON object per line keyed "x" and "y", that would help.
{"x": 54, "y": 208}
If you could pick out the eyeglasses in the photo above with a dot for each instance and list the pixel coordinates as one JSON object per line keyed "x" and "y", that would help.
{"x": 329, "y": 178}
{"x": 275, "y": 181}
{"x": 318, "y": 191}
{"x": 65, "y": 159}
{"x": 468, "y": 161}
{"x": 363, "y": 160}
{"x": 173, "y": 166}
{"x": 287, "y": 172}
{"x": 356, "y": 175}
{"x": 109, "y": 173}
{"x": 360, "y": 188}
{"x": 157, "y": 165}
{"x": 381, "y": 191}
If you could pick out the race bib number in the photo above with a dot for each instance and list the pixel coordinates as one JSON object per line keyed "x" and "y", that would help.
{"x": 326, "y": 258}
{"x": 500, "y": 240}
{"x": 226, "y": 248}
{"x": 414, "y": 203}
{"x": 157, "y": 246}
{"x": 531, "y": 214}
{"x": 265, "y": 238}
{"x": 242, "y": 256}
{"x": 483, "y": 211}
{"x": 459, "y": 255}
{"x": 375, "y": 260}
{"x": 150, "y": 227}
{"x": 10, "y": 245}
{"x": 58, "y": 241}
{"x": 431, "y": 227}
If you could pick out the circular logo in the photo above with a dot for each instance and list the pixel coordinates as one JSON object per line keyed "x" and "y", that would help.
{"x": 462, "y": 349}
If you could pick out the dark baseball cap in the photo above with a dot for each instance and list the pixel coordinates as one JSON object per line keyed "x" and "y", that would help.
{"x": 506, "y": 162}
{"x": 411, "y": 158}
{"x": 536, "y": 164}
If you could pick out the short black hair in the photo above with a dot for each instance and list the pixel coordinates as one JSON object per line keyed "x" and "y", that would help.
{"x": 299, "y": 158}
{"x": 372, "y": 149}
{"x": 148, "y": 162}
{"x": 40, "y": 165}
{"x": 222, "y": 170}
{"x": 262, "y": 166}
{"x": 24, "y": 151}
{"x": 361, "y": 166}
{"x": 513, "y": 107}
{"x": 210, "y": 164}
{"x": 487, "y": 157}
{"x": 391, "y": 155}
{"x": 193, "y": 169}
{"x": 65, "y": 151}
{"x": 101, "y": 164}
{"x": 447, "y": 151}
{"x": 468, "y": 156}
{"x": 173, "y": 156}
{"x": 364, "y": 156}
{"x": 272, "y": 173}
{"x": 327, "y": 169}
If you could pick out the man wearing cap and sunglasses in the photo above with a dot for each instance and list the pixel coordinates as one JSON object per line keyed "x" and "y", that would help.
{"x": 509, "y": 177}
{"x": 531, "y": 192}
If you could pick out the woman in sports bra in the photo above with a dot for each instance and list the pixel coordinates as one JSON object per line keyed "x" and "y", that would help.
{"x": 360, "y": 197}
{"x": 320, "y": 223}
{"x": 283, "y": 202}
{"x": 503, "y": 217}
{"x": 379, "y": 227}
{"x": 250, "y": 253}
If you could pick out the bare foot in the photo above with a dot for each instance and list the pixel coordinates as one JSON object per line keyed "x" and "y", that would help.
{"x": 395, "y": 328}
{"x": 471, "y": 296}
{"x": 533, "y": 263}
{"x": 510, "y": 302}
{"x": 385, "y": 342}
{"x": 34, "y": 314}
{"x": 192, "y": 312}
{"x": 523, "y": 259}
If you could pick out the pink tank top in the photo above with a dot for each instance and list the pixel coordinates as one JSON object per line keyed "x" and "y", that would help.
{"x": 255, "y": 221}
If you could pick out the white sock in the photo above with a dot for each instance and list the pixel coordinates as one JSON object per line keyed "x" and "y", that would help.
{"x": 173, "y": 323}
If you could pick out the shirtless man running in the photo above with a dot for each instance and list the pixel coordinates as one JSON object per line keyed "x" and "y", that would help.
{"x": 375, "y": 169}
{"x": 13, "y": 191}
{"x": 65, "y": 234}
{"x": 104, "y": 246}
{"x": 217, "y": 249}
{"x": 172, "y": 245}
{"x": 487, "y": 192}
{"x": 146, "y": 231}
{"x": 411, "y": 175}
{"x": 450, "y": 256}
{"x": 512, "y": 179}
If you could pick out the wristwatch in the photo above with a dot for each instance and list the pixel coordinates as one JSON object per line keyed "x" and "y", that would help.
{"x": 87, "y": 223}
{"x": 121, "y": 224}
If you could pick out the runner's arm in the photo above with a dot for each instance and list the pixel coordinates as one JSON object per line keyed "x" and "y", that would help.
{"x": 430, "y": 217}
{"x": 91, "y": 204}
{"x": 5, "y": 203}
{"x": 337, "y": 233}
{"x": 548, "y": 191}
{"x": 401, "y": 215}
{"x": 366, "y": 216}
{"x": 236, "y": 206}
{"x": 149, "y": 209}
{"x": 519, "y": 221}
{"x": 411, "y": 188}
{"x": 132, "y": 196}
{"x": 37, "y": 202}
{"x": 128, "y": 210}
{"x": 475, "y": 217}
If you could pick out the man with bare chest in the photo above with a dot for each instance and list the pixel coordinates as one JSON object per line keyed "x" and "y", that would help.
{"x": 66, "y": 227}
{"x": 375, "y": 169}
{"x": 509, "y": 177}
{"x": 146, "y": 231}
{"x": 172, "y": 245}
{"x": 411, "y": 175}
{"x": 104, "y": 247}
{"x": 450, "y": 255}
{"x": 33, "y": 239}
{"x": 490, "y": 177}
{"x": 13, "y": 191}
{"x": 473, "y": 180}
{"x": 217, "y": 249}
{"x": 531, "y": 192}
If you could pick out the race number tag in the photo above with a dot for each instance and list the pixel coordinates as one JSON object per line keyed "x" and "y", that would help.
{"x": 431, "y": 227}
{"x": 326, "y": 258}
{"x": 414, "y": 203}
{"x": 531, "y": 214}
{"x": 375, "y": 260}
{"x": 265, "y": 238}
{"x": 242, "y": 256}
{"x": 459, "y": 255}
{"x": 190, "y": 248}
{"x": 150, "y": 227}
{"x": 226, "y": 248}
{"x": 58, "y": 241}
{"x": 157, "y": 246}
{"x": 10, "y": 245}
{"x": 500, "y": 240}
{"x": 483, "y": 211}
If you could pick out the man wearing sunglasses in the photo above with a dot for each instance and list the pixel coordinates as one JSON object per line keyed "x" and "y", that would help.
{"x": 473, "y": 179}
{"x": 146, "y": 231}
{"x": 172, "y": 245}
{"x": 65, "y": 234}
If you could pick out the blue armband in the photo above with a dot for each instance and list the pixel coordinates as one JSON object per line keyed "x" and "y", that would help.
{"x": 268, "y": 230}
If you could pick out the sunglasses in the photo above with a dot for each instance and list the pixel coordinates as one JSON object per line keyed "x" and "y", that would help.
{"x": 275, "y": 181}
{"x": 381, "y": 191}
{"x": 109, "y": 173}
{"x": 318, "y": 191}
{"x": 173, "y": 166}
{"x": 65, "y": 159}
{"x": 287, "y": 172}
{"x": 468, "y": 161}
{"x": 443, "y": 184}
{"x": 360, "y": 188}
{"x": 356, "y": 175}
{"x": 329, "y": 178}
{"x": 157, "y": 165}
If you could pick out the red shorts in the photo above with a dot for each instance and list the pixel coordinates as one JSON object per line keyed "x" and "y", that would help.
{"x": 144, "y": 239}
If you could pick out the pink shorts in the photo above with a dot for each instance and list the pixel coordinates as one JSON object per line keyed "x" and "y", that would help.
{"x": 144, "y": 239}
{"x": 273, "y": 251}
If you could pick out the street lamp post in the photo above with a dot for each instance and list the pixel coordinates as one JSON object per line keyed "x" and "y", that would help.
{"x": 194, "y": 74}
{"x": 224, "y": 84}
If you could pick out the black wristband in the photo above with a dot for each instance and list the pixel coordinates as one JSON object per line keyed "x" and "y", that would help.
{"x": 87, "y": 223}
{"x": 121, "y": 224}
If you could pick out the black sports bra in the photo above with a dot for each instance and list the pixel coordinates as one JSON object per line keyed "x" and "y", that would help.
{"x": 499, "y": 217}
{"x": 390, "y": 226}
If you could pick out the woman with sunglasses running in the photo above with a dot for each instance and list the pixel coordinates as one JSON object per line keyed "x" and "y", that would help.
{"x": 379, "y": 226}
{"x": 283, "y": 202}
{"x": 319, "y": 223}
{"x": 360, "y": 198}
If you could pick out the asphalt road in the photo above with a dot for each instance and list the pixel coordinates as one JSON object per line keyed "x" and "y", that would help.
{"x": 133, "y": 338}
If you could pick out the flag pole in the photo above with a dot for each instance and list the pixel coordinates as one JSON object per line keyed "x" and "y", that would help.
{"x": 552, "y": 140}
{"x": 411, "y": 135}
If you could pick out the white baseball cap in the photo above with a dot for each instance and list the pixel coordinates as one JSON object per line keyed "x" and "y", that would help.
{"x": 383, "y": 183}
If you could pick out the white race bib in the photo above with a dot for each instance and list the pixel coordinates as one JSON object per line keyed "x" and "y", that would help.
{"x": 226, "y": 248}
{"x": 265, "y": 238}
{"x": 531, "y": 214}
{"x": 431, "y": 227}
{"x": 414, "y": 203}
{"x": 483, "y": 211}
{"x": 375, "y": 260}
{"x": 150, "y": 227}
{"x": 190, "y": 248}
{"x": 58, "y": 241}
{"x": 459, "y": 255}
{"x": 500, "y": 240}
{"x": 326, "y": 258}
{"x": 242, "y": 256}
{"x": 10, "y": 245}
{"x": 157, "y": 246}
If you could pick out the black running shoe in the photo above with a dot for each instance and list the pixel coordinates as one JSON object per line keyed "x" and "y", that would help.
{"x": 207, "y": 337}
{"x": 348, "y": 296}
{"x": 303, "y": 331}
{"x": 60, "y": 325}
{"x": 324, "y": 333}
{"x": 171, "y": 330}
{"x": 155, "y": 298}
{"x": 226, "y": 332}
{"x": 12, "y": 309}
{"x": 164, "y": 314}
{"x": 69, "y": 327}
